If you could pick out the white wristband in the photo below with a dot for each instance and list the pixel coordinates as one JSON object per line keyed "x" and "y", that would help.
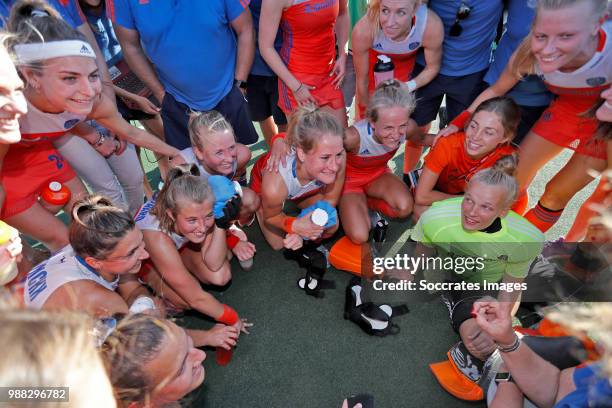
{"x": 412, "y": 85}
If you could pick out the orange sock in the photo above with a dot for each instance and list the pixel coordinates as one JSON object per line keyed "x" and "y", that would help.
{"x": 380, "y": 205}
{"x": 543, "y": 218}
{"x": 581, "y": 223}
{"x": 521, "y": 203}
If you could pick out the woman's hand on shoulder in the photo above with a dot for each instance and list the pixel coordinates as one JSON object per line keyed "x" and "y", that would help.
{"x": 447, "y": 131}
{"x": 278, "y": 154}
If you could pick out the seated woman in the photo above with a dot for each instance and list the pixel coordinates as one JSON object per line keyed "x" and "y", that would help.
{"x": 506, "y": 244}
{"x": 215, "y": 152}
{"x": 97, "y": 272}
{"x": 313, "y": 171}
{"x": 186, "y": 246}
{"x": 151, "y": 362}
{"x": 370, "y": 144}
{"x": 455, "y": 159}
{"x": 63, "y": 90}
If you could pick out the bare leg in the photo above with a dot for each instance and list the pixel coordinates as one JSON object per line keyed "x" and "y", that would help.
{"x": 534, "y": 153}
{"x": 354, "y": 217}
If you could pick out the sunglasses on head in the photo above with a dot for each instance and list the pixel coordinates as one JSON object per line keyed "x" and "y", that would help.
{"x": 463, "y": 12}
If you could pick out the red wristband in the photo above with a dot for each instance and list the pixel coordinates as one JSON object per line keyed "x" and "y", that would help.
{"x": 231, "y": 240}
{"x": 461, "y": 120}
{"x": 229, "y": 316}
{"x": 288, "y": 224}
{"x": 277, "y": 136}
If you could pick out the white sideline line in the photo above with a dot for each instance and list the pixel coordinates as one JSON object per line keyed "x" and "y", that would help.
{"x": 398, "y": 244}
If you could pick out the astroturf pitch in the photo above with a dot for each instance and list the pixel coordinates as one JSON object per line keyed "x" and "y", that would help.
{"x": 302, "y": 353}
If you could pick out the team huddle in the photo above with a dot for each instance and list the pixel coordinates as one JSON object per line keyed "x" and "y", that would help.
{"x": 202, "y": 73}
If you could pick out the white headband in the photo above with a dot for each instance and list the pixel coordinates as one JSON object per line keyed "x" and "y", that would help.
{"x": 41, "y": 51}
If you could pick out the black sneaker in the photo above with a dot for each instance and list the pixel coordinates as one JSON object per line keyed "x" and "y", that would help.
{"x": 379, "y": 227}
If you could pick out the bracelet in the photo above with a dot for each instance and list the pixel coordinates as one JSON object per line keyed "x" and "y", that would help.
{"x": 412, "y": 85}
{"x": 510, "y": 348}
{"x": 299, "y": 88}
{"x": 229, "y": 316}
{"x": 100, "y": 140}
{"x": 231, "y": 240}
{"x": 288, "y": 224}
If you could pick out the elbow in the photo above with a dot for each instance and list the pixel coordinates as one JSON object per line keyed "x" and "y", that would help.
{"x": 422, "y": 199}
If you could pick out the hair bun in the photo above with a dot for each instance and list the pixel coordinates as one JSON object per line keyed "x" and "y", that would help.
{"x": 506, "y": 164}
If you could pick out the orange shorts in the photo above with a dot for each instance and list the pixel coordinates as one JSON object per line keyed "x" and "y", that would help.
{"x": 256, "y": 174}
{"x": 562, "y": 125}
{"x": 26, "y": 170}
{"x": 324, "y": 93}
{"x": 359, "y": 182}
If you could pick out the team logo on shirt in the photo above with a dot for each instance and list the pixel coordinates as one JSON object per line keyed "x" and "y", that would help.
{"x": 547, "y": 116}
{"x": 413, "y": 45}
{"x": 365, "y": 151}
{"x": 313, "y": 8}
{"x": 59, "y": 160}
{"x": 597, "y": 81}
{"x": 71, "y": 123}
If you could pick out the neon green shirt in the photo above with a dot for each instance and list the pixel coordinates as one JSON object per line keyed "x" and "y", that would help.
{"x": 509, "y": 250}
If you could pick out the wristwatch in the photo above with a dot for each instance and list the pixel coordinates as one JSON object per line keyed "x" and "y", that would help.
{"x": 503, "y": 377}
{"x": 240, "y": 84}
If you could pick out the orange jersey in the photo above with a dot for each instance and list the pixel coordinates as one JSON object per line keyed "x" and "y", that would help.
{"x": 308, "y": 36}
{"x": 449, "y": 160}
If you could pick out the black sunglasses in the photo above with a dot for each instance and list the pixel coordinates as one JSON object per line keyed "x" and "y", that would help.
{"x": 463, "y": 12}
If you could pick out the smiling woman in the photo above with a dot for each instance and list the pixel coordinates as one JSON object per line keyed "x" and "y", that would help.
{"x": 370, "y": 144}
{"x": 12, "y": 101}
{"x": 312, "y": 171}
{"x": 63, "y": 89}
{"x": 570, "y": 47}
{"x": 97, "y": 272}
{"x": 151, "y": 362}
{"x": 453, "y": 160}
{"x": 186, "y": 246}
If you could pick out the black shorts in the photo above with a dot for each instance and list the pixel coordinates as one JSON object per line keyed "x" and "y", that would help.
{"x": 460, "y": 93}
{"x": 529, "y": 116}
{"x": 131, "y": 114}
{"x": 460, "y": 304}
{"x": 233, "y": 107}
{"x": 262, "y": 96}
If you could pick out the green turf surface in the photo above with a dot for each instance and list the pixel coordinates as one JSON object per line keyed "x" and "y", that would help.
{"x": 302, "y": 353}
